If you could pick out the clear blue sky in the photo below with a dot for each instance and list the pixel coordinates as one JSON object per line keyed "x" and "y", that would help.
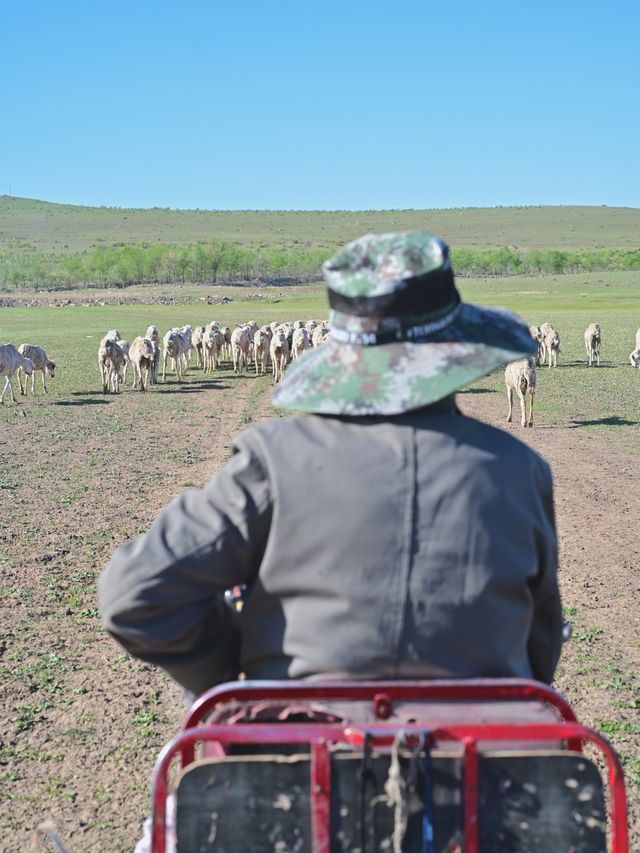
{"x": 320, "y": 105}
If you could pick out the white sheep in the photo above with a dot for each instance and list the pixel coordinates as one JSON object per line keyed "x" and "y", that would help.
{"x": 104, "y": 362}
{"x": 212, "y": 343}
{"x": 279, "y": 352}
{"x": 320, "y": 334}
{"x": 171, "y": 348}
{"x": 521, "y": 376}
{"x": 196, "y": 343}
{"x": 112, "y": 359}
{"x": 551, "y": 342}
{"x": 124, "y": 347}
{"x": 261, "y": 343}
{"x": 40, "y": 362}
{"x": 12, "y": 360}
{"x": 634, "y": 357}
{"x": 142, "y": 355}
{"x": 240, "y": 347}
{"x": 300, "y": 342}
{"x": 592, "y": 342}
{"x": 536, "y": 334}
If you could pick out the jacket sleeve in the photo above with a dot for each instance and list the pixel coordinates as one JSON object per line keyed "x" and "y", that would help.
{"x": 161, "y": 596}
{"x": 545, "y": 636}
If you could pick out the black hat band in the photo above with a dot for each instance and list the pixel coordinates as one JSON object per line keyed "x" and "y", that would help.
{"x": 396, "y": 330}
{"x": 431, "y": 291}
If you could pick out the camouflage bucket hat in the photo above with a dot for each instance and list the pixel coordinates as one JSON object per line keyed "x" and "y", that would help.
{"x": 401, "y": 337}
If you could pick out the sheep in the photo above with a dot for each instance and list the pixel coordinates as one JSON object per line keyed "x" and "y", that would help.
{"x": 634, "y": 357}
{"x": 521, "y": 376}
{"x": 124, "y": 347}
{"x": 212, "y": 343}
{"x": 536, "y": 334}
{"x": 196, "y": 343}
{"x": 592, "y": 341}
{"x": 320, "y": 335}
{"x": 279, "y": 352}
{"x": 152, "y": 334}
{"x": 12, "y": 360}
{"x": 240, "y": 347}
{"x": 226, "y": 332}
{"x": 287, "y": 328}
{"x": 104, "y": 362}
{"x": 551, "y": 341}
{"x": 142, "y": 355}
{"x": 40, "y": 362}
{"x": 310, "y": 326}
{"x": 261, "y": 343}
{"x": 300, "y": 342}
{"x": 112, "y": 359}
{"x": 171, "y": 349}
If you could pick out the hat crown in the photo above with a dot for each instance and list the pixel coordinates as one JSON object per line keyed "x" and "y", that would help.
{"x": 380, "y": 264}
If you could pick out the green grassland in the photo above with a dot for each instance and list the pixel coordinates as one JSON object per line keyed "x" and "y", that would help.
{"x": 61, "y": 228}
{"x": 77, "y": 455}
{"x": 606, "y": 398}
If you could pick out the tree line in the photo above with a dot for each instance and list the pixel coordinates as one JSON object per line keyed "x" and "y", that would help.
{"x": 219, "y": 262}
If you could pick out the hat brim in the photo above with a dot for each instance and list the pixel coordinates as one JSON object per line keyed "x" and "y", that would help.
{"x": 347, "y": 379}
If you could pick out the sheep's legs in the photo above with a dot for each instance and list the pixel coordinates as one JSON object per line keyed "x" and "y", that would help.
{"x": 510, "y": 399}
{"x": 8, "y": 384}
{"x": 530, "y": 420}
{"x": 523, "y": 407}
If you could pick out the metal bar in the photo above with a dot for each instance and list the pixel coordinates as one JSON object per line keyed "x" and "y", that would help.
{"x": 460, "y": 689}
{"x": 470, "y": 793}
{"x": 321, "y": 797}
{"x": 382, "y": 734}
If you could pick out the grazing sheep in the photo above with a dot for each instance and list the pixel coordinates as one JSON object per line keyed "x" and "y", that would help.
{"x": 592, "y": 341}
{"x": 521, "y": 376}
{"x": 300, "y": 342}
{"x": 279, "y": 352}
{"x": 261, "y": 343}
{"x": 12, "y": 360}
{"x": 142, "y": 354}
{"x": 40, "y": 362}
{"x": 240, "y": 347}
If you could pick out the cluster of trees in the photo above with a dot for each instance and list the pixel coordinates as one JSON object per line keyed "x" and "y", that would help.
{"x": 507, "y": 261}
{"x": 221, "y": 262}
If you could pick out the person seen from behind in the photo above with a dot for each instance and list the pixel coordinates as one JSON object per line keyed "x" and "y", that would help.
{"x": 381, "y": 534}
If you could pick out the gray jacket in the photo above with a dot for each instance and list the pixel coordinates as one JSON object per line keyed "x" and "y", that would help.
{"x": 419, "y": 545}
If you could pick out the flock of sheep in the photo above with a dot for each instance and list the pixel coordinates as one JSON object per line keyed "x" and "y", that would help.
{"x": 275, "y": 344}
{"x": 520, "y": 376}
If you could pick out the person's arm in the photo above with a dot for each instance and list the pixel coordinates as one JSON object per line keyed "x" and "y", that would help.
{"x": 545, "y": 636}
{"x": 161, "y": 596}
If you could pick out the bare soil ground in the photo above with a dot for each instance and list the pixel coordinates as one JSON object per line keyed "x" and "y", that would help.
{"x": 81, "y": 723}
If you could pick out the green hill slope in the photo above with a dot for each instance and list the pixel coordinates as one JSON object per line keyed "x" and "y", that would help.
{"x": 29, "y": 225}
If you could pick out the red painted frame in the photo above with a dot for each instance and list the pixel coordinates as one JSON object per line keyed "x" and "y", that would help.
{"x": 320, "y": 735}
{"x": 380, "y": 693}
